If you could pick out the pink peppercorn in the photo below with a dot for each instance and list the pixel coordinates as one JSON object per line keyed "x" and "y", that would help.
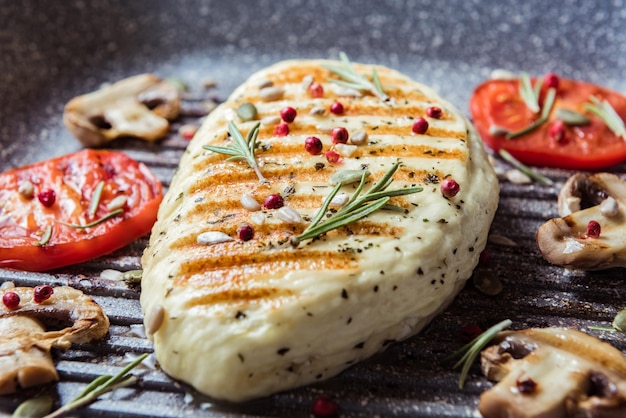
{"x": 245, "y": 232}
{"x": 434, "y": 112}
{"x": 336, "y": 108}
{"x": 332, "y": 156}
{"x": 11, "y": 300}
{"x": 557, "y": 130}
{"x": 316, "y": 90}
{"x": 593, "y": 229}
{"x": 420, "y": 126}
{"x": 449, "y": 187}
{"x": 469, "y": 332}
{"x": 288, "y": 114}
{"x": 313, "y": 145}
{"x": 282, "y": 129}
{"x": 484, "y": 259}
{"x": 551, "y": 80}
{"x": 47, "y": 197}
{"x": 42, "y": 293}
{"x": 339, "y": 135}
{"x": 274, "y": 201}
{"x": 324, "y": 407}
{"x": 526, "y": 385}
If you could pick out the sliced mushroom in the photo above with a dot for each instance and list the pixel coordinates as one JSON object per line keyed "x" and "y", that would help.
{"x": 599, "y": 197}
{"x": 553, "y": 372}
{"x": 139, "y": 106}
{"x": 25, "y": 343}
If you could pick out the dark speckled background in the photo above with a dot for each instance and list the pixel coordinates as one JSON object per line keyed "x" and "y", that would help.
{"x": 51, "y": 51}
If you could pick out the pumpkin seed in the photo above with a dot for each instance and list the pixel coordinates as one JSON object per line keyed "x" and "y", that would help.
{"x": 247, "y": 112}
{"x": 271, "y": 93}
{"x": 34, "y": 407}
{"x": 359, "y": 137}
{"x": 213, "y": 237}
{"x": 487, "y": 282}
{"x": 619, "y": 323}
{"x": 347, "y": 177}
{"x": 132, "y": 276}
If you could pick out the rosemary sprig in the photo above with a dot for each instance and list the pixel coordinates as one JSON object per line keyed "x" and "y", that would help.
{"x": 609, "y": 116}
{"x": 524, "y": 168}
{"x": 241, "y": 148}
{"x": 468, "y": 353}
{"x": 354, "y": 80}
{"x": 99, "y": 386}
{"x": 545, "y": 114}
{"x": 357, "y": 207}
{"x": 529, "y": 94}
{"x": 105, "y": 218}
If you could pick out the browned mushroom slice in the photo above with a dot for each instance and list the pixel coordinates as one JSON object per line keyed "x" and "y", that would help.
{"x": 597, "y": 197}
{"x": 25, "y": 344}
{"x": 553, "y": 372}
{"x": 139, "y": 106}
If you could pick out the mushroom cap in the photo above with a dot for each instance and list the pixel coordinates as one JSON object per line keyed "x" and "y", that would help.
{"x": 574, "y": 375}
{"x": 138, "y": 106}
{"x": 599, "y": 197}
{"x": 25, "y": 342}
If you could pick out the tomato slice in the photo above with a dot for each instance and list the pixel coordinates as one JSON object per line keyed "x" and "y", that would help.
{"x": 59, "y": 196}
{"x": 583, "y": 147}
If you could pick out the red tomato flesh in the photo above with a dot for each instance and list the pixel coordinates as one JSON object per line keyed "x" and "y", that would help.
{"x": 74, "y": 178}
{"x": 585, "y": 147}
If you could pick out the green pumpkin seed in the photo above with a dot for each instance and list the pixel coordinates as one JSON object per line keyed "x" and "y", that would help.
{"x": 571, "y": 117}
{"x": 34, "y": 407}
{"x": 347, "y": 177}
{"x": 247, "y": 112}
{"x": 619, "y": 323}
{"x": 132, "y": 276}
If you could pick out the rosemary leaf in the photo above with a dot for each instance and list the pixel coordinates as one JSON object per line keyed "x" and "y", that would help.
{"x": 524, "y": 168}
{"x": 545, "y": 114}
{"x": 354, "y": 80}
{"x": 609, "y": 116}
{"x": 100, "y": 386}
{"x": 358, "y": 206}
{"x": 468, "y": 353}
{"x": 95, "y": 199}
{"x": 528, "y": 94}
{"x": 241, "y": 148}
{"x": 105, "y": 218}
{"x": 45, "y": 238}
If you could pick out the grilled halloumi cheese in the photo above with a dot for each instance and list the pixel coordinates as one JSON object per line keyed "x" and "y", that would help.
{"x": 242, "y": 318}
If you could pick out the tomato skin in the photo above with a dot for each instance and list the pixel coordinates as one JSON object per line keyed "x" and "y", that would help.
{"x": 586, "y": 147}
{"x": 74, "y": 178}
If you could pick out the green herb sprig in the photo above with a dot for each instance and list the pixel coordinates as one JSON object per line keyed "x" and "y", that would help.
{"x": 467, "y": 354}
{"x": 543, "y": 118}
{"x": 354, "y": 80}
{"x": 45, "y": 238}
{"x": 241, "y": 148}
{"x": 95, "y": 200}
{"x": 609, "y": 116}
{"x": 524, "y": 168}
{"x": 99, "y": 386}
{"x": 357, "y": 207}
